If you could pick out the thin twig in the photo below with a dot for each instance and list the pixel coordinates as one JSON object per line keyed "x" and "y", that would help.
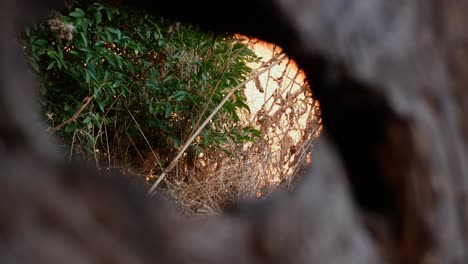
{"x": 84, "y": 105}
{"x": 144, "y": 137}
{"x": 75, "y": 116}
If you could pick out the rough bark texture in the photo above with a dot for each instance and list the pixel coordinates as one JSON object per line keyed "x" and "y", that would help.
{"x": 389, "y": 182}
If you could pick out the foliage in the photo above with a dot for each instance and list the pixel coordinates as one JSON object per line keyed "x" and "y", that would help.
{"x": 150, "y": 81}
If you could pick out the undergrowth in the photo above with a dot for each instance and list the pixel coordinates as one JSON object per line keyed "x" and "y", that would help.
{"x": 136, "y": 93}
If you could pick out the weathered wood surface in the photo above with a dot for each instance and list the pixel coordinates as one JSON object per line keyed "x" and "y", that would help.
{"x": 390, "y": 175}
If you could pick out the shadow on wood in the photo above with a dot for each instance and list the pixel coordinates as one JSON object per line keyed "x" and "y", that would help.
{"x": 390, "y": 176}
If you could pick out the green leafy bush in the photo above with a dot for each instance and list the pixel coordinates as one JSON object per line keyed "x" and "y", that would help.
{"x": 127, "y": 80}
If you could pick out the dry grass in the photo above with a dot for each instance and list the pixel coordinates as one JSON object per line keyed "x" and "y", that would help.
{"x": 289, "y": 120}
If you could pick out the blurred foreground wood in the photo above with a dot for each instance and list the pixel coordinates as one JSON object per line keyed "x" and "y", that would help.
{"x": 390, "y": 176}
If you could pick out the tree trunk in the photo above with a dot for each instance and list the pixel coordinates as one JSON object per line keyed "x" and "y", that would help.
{"x": 389, "y": 180}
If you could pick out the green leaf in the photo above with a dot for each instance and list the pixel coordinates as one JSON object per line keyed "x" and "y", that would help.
{"x": 87, "y": 78}
{"x": 167, "y": 112}
{"x": 60, "y": 53}
{"x": 86, "y": 23}
{"x": 176, "y": 143}
{"x": 109, "y": 14}
{"x": 109, "y": 37}
{"x": 157, "y": 35}
{"x": 136, "y": 50}
{"x": 115, "y": 31}
{"x": 99, "y": 43}
{"x": 98, "y": 17}
{"x": 40, "y": 42}
{"x": 51, "y": 65}
{"x": 112, "y": 30}
{"x": 88, "y": 58}
{"x": 161, "y": 42}
{"x": 77, "y": 13}
{"x": 53, "y": 54}
{"x": 84, "y": 39}
{"x": 101, "y": 106}
{"x": 34, "y": 65}
{"x": 87, "y": 120}
{"x": 41, "y": 51}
